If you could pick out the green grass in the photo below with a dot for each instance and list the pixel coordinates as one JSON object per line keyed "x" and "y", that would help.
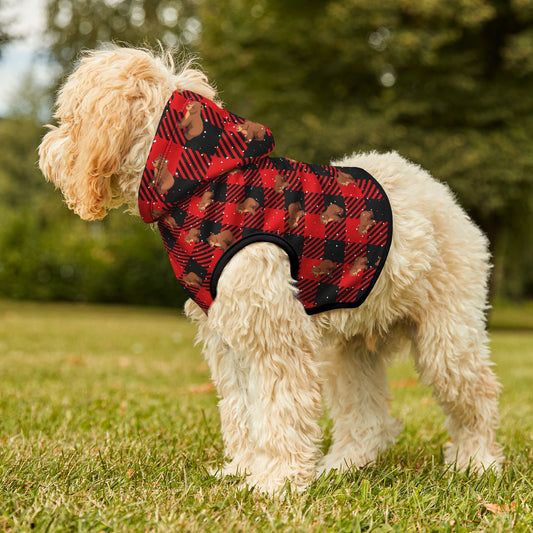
{"x": 107, "y": 423}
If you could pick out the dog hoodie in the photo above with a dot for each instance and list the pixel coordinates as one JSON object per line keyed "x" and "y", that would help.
{"x": 212, "y": 188}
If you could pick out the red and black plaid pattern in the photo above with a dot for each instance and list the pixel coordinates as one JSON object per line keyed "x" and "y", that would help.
{"x": 212, "y": 189}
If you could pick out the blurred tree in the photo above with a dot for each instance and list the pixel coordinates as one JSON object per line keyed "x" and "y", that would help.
{"x": 74, "y": 25}
{"x": 447, "y": 84}
{"x": 5, "y": 34}
{"x": 48, "y": 253}
{"x": 118, "y": 259}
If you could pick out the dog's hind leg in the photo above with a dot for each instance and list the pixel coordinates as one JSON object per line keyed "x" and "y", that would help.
{"x": 273, "y": 342}
{"x": 451, "y": 344}
{"x": 451, "y": 354}
{"x": 357, "y": 395}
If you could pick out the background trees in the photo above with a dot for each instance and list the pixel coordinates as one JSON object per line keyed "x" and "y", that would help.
{"x": 447, "y": 84}
{"x": 5, "y": 36}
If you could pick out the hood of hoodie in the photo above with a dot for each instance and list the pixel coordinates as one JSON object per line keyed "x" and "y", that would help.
{"x": 196, "y": 141}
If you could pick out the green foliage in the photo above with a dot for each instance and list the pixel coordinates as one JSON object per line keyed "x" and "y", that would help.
{"x": 47, "y": 253}
{"x": 109, "y": 424}
{"x": 517, "y": 317}
{"x": 447, "y": 84}
{"x": 118, "y": 260}
{"x": 5, "y": 35}
{"x": 74, "y": 25}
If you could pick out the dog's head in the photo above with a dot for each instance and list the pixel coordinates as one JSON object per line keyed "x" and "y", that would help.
{"x": 107, "y": 113}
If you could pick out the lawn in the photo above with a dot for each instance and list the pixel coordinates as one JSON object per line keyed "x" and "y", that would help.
{"x": 108, "y": 422}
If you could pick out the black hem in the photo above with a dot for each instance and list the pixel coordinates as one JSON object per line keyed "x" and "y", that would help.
{"x": 237, "y": 247}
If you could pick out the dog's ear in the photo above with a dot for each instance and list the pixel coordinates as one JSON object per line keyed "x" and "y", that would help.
{"x": 107, "y": 113}
{"x": 84, "y": 154}
{"x": 80, "y": 167}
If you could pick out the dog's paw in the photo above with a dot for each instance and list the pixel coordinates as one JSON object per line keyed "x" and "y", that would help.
{"x": 276, "y": 487}
{"x": 352, "y": 451}
{"x": 231, "y": 468}
{"x": 342, "y": 463}
{"x": 265, "y": 484}
{"x": 473, "y": 458}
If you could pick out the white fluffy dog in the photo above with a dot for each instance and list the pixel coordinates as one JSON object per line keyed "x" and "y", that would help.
{"x": 269, "y": 359}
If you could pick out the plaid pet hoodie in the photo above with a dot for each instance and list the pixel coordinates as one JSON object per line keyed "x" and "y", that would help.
{"x": 211, "y": 187}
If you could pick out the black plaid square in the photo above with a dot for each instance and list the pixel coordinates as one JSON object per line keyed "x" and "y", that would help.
{"x": 209, "y": 227}
{"x": 256, "y": 193}
{"x": 334, "y": 251}
{"x": 282, "y": 164}
{"x": 374, "y": 254}
{"x": 326, "y": 294}
{"x": 195, "y": 268}
{"x": 377, "y": 207}
{"x": 292, "y": 197}
{"x": 179, "y": 216}
{"x": 182, "y": 187}
{"x": 334, "y": 199}
{"x": 297, "y": 243}
{"x": 219, "y": 190}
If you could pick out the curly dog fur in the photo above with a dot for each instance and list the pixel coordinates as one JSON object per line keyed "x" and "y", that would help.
{"x": 270, "y": 361}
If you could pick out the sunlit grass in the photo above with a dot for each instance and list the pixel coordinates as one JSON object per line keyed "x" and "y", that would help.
{"x": 108, "y": 423}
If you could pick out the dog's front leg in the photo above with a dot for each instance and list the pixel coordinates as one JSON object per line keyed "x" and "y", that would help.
{"x": 274, "y": 402}
{"x": 230, "y": 381}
